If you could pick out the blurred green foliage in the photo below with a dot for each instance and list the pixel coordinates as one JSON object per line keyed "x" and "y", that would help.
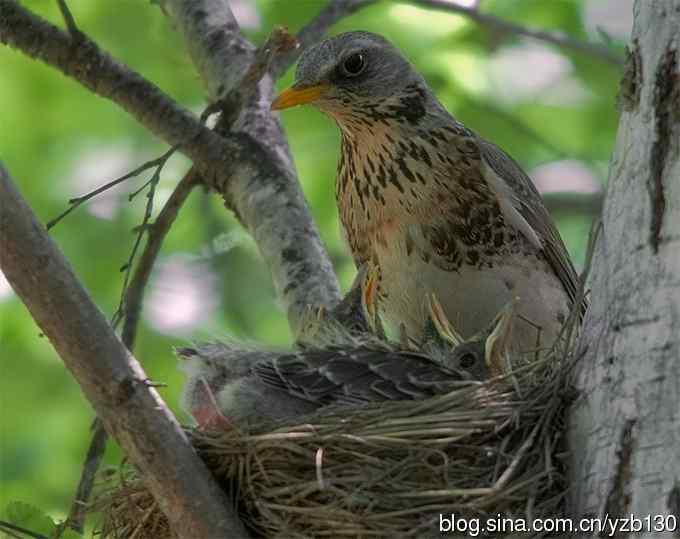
{"x": 51, "y": 128}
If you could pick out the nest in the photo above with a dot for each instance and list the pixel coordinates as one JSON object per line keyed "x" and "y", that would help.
{"x": 485, "y": 450}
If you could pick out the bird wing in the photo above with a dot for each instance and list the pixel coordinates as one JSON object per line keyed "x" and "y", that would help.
{"x": 357, "y": 375}
{"x": 528, "y": 202}
{"x": 488, "y": 176}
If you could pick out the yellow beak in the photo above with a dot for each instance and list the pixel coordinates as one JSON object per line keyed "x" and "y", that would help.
{"x": 298, "y": 96}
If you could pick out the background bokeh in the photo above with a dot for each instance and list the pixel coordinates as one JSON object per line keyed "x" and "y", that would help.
{"x": 554, "y": 112}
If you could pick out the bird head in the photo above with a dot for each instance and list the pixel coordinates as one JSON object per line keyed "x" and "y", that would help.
{"x": 447, "y": 347}
{"x": 483, "y": 356}
{"x": 356, "y": 72}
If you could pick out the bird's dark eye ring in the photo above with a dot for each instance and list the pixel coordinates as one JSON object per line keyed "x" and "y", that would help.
{"x": 354, "y": 64}
{"x": 467, "y": 361}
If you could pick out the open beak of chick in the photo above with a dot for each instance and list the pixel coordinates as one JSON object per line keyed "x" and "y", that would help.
{"x": 497, "y": 346}
{"x": 299, "y": 95}
{"x": 438, "y": 324}
{"x": 495, "y": 340}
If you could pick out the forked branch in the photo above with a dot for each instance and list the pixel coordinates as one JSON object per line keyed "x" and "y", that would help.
{"x": 237, "y": 166}
{"x": 111, "y": 378}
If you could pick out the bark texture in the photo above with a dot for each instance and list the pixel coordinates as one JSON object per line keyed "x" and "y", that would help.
{"x": 625, "y": 426}
{"x": 110, "y": 377}
{"x": 251, "y": 168}
{"x": 267, "y": 198}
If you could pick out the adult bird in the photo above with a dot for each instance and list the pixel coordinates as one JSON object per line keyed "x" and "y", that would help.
{"x": 436, "y": 207}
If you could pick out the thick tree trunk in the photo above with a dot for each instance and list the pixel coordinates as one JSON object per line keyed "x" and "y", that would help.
{"x": 625, "y": 426}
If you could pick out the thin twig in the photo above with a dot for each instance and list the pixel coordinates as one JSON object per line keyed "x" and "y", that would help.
{"x": 279, "y": 42}
{"x": 313, "y": 31}
{"x": 8, "y": 528}
{"x": 500, "y": 25}
{"x": 157, "y": 232}
{"x": 130, "y": 300}
{"x": 336, "y": 10}
{"x": 140, "y": 230}
{"x": 77, "y": 201}
{"x": 581, "y": 302}
{"x": 110, "y": 377}
{"x": 132, "y": 309}
{"x": 109, "y": 78}
{"x": 70, "y": 22}
{"x": 251, "y": 169}
{"x": 9, "y": 533}
{"x": 512, "y": 467}
{"x": 97, "y": 447}
{"x": 95, "y": 454}
{"x": 134, "y": 194}
{"x": 281, "y": 225}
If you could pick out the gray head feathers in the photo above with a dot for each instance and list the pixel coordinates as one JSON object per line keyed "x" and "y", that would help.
{"x": 361, "y": 62}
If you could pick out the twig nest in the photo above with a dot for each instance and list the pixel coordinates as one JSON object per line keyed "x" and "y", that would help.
{"x": 484, "y": 450}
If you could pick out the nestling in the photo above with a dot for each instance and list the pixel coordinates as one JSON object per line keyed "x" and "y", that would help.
{"x": 437, "y": 208}
{"x": 229, "y": 385}
{"x": 233, "y": 385}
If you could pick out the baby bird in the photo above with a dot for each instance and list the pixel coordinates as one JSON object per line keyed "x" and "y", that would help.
{"x": 229, "y": 385}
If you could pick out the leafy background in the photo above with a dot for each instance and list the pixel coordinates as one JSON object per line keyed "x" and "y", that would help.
{"x": 554, "y": 112}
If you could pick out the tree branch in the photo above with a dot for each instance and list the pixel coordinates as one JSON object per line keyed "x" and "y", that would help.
{"x": 623, "y": 428}
{"x": 140, "y": 231}
{"x": 130, "y": 309}
{"x": 239, "y": 167}
{"x": 315, "y": 30}
{"x": 335, "y": 10}
{"x": 253, "y": 173}
{"x": 132, "y": 304}
{"x": 93, "y": 459}
{"x": 88, "y": 64}
{"x": 279, "y": 42}
{"x": 269, "y": 201}
{"x": 111, "y": 378}
{"x": 499, "y": 25}
{"x": 69, "y": 20}
{"x": 77, "y": 201}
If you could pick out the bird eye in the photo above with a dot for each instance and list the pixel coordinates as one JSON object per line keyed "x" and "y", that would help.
{"x": 467, "y": 361}
{"x": 354, "y": 64}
